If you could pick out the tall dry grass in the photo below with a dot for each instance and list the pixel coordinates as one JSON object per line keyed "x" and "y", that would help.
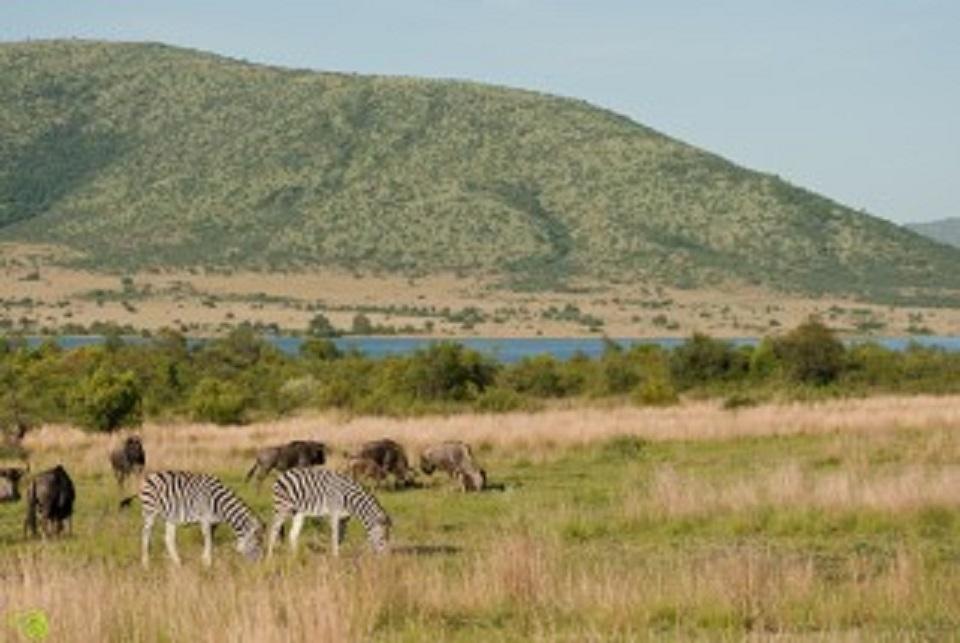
{"x": 522, "y": 589}
{"x": 203, "y": 446}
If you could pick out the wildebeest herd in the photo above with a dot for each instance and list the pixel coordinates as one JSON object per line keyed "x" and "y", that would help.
{"x": 303, "y": 488}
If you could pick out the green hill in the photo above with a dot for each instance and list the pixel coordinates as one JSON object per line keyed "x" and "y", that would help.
{"x": 142, "y": 155}
{"x": 945, "y": 230}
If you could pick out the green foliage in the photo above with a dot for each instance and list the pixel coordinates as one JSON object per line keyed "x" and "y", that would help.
{"x": 701, "y": 359}
{"x": 108, "y": 400}
{"x": 319, "y": 349}
{"x": 186, "y": 159}
{"x": 320, "y": 326}
{"x": 443, "y": 372}
{"x": 240, "y": 378}
{"x": 811, "y": 353}
{"x": 219, "y": 402}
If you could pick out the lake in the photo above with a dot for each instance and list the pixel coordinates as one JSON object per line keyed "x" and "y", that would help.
{"x": 513, "y": 349}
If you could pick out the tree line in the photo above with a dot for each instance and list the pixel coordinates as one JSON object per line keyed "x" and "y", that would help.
{"x": 241, "y": 378}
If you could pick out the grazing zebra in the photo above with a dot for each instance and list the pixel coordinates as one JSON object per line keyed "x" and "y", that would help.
{"x": 321, "y": 492}
{"x": 183, "y": 497}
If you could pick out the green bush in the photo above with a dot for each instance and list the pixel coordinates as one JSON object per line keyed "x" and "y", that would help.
{"x": 702, "y": 359}
{"x": 655, "y": 391}
{"x": 218, "y": 401}
{"x": 443, "y": 372}
{"x": 811, "y": 353}
{"x": 540, "y": 376}
{"x": 108, "y": 400}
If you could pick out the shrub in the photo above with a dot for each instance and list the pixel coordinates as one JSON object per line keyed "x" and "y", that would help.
{"x": 108, "y": 400}
{"x": 540, "y": 376}
{"x": 320, "y": 326}
{"x": 443, "y": 372}
{"x": 319, "y": 349}
{"x": 701, "y": 359}
{"x": 811, "y": 353}
{"x": 655, "y": 391}
{"x": 218, "y": 401}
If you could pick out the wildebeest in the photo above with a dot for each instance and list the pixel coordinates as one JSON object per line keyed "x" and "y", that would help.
{"x": 456, "y": 459}
{"x": 390, "y": 457}
{"x": 50, "y": 499}
{"x": 360, "y": 468}
{"x": 10, "y": 483}
{"x": 298, "y": 453}
{"x": 128, "y": 458}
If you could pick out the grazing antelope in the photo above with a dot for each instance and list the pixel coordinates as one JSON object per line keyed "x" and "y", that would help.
{"x": 390, "y": 457}
{"x": 299, "y": 453}
{"x": 128, "y": 458}
{"x": 456, "y": 459}
{"x": 50, "y": 498}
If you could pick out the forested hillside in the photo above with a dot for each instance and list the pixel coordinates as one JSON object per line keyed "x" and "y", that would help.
{"x": 144, "y": 155}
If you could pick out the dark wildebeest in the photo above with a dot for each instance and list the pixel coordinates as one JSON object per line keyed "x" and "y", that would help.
{"x": 10, "y": 483}
{"x": 128, "y": 458}
{"x": 456, "y": 459}
{"x": 299, "y": 453}
{"x": 390, "y": 457}
{"x": 360, "y": 468}
{"x": 50, "y": 498}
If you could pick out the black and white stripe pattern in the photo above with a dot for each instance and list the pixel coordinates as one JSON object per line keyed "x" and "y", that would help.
{"x": 320, "y": 492}
{"x": 183, "y": 497}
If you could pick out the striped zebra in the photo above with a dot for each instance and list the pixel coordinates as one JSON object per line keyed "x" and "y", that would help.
{"x": 319, "y": 492}
{"x": 183, "y": 497}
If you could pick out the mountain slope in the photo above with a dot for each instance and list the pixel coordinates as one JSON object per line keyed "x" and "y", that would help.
{"x": 145, "y": 155}
{"x": 945, "y": 230}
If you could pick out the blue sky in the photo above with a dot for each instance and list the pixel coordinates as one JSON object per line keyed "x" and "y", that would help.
{"x": 859, "y": 100}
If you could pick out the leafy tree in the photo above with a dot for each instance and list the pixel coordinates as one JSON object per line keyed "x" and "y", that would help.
{"x": 108, "y": 400}
{"x": 362, "y": 325}
{"x": 811, "y": 353}
{"x": 320, "y": 326}
{"x": 218, "y": 401}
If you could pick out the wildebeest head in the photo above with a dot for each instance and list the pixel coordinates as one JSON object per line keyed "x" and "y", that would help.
{"x": 10, "y": 484}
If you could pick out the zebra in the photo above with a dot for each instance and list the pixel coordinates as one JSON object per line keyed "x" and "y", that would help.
{"x": 184, "y": 497}
{"x": 322, "y": 492}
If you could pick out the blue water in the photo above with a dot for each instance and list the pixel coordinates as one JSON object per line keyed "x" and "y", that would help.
{"x": 513, "y": 349}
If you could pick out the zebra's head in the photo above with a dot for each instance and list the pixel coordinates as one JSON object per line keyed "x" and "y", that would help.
{"x": 379, "y": 534}
{"x": 250, "y": 542}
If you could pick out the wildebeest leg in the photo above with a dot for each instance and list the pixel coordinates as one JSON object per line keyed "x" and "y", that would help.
{"x": 207, "y": 530}
{"x": 295, "y": 530}
{"x": 171, "y": 539}
{"x": 275, "y": 530}
{"x": 148, "y": 519}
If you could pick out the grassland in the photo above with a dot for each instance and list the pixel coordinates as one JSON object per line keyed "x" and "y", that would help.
{"x": 829, "y": 521}
{"x": 142, "y": 156}
{"x": 37, "y": 293}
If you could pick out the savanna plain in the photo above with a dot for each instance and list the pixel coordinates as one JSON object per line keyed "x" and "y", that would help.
{"x": 800, "y": 521}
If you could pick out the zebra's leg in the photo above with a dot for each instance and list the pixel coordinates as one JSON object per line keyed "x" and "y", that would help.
{"x": 171, "y": 538}
{"x": 295, "y": 528}
{"x": 148, "y": 519}
{"x": 278, "y": 519}
{"x": 207, "y": 530}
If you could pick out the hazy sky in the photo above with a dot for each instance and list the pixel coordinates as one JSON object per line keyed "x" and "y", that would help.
{"x": 857, "y": 99}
